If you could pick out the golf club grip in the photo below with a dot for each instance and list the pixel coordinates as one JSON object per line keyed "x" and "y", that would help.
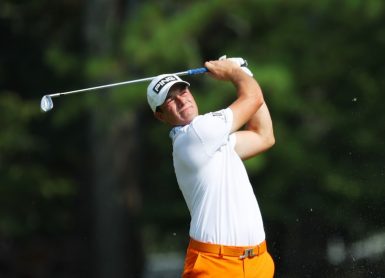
{"x": 197, "y": 71}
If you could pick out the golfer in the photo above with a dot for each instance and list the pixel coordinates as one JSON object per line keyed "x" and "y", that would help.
{"x": 227, "y": 237}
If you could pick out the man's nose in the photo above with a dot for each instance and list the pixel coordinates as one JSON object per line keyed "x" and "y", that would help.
{"x": 179, "y": 98}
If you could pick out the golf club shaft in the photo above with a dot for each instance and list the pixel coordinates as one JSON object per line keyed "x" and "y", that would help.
{"x": 187, "y": 72}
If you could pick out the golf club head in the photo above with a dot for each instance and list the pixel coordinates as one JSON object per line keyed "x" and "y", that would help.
{"x": 46, "y": 103}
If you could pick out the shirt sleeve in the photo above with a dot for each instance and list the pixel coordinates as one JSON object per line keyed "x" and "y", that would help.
{"x": 213, "y": 129}
{"x": 233, "y": 140}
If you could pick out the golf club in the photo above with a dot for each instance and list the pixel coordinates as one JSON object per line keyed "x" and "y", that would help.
{"x": 46, "y": 102}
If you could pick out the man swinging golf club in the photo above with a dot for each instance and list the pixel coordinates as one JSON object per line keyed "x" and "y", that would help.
{"x": 227, "y": 237}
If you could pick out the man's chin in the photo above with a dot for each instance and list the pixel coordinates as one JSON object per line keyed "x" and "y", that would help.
{"x": 187, "y": 118}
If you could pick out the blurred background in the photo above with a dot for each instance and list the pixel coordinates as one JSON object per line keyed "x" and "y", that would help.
{"x": 88, "y": 189}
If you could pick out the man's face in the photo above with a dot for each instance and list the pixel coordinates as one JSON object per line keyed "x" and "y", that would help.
{"x": 179, "y": 108}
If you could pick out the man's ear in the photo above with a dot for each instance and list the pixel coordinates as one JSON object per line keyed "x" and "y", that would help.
{"x": 159, "y": 115}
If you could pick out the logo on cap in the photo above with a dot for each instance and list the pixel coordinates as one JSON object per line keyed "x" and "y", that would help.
{"x": 163, "y": 82}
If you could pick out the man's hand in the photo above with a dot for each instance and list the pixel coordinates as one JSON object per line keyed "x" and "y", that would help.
{"x": 225, "y": 70}
{"x": 240, "y": 61}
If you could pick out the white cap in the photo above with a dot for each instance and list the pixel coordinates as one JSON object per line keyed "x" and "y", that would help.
{"x": 158, "y": 89}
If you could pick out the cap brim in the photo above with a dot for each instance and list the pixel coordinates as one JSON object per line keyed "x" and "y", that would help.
{"x": 167, "y": 88}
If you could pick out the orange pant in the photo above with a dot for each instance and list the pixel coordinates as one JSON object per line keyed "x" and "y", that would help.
{"x": 204, "y": 264}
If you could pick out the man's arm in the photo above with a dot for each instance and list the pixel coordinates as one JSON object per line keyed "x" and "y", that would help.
{"x": 249, "y": 95}
{"x": 249, "y": 108}
{"x": 258, "y": 135}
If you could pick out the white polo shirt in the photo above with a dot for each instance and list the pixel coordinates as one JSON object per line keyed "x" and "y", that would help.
{"x": 214, "y": 182}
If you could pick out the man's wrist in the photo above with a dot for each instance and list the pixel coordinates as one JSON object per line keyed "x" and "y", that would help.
{"x": 238, "y": 76}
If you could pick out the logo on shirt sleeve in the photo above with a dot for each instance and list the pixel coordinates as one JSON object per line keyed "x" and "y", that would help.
{"x": 220, "y": 114}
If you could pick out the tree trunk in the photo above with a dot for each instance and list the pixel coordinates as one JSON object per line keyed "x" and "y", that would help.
{"x": 116, "y": 198}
